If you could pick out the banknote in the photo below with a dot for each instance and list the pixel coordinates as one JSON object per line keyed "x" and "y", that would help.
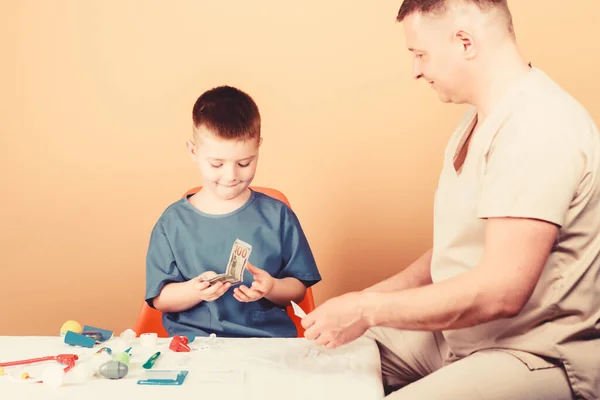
{"x": 240, "y": 252}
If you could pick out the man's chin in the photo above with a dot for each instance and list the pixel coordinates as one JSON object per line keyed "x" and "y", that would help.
{"x": 449, "y": 99}
{"x": 443, "y": 98}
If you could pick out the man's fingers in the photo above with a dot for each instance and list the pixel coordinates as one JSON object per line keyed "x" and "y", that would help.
{"x": 330, "y": 345}
{"x": 309, "y": 320}
{"x": 323, "y": 339}
{"x": 311, "y": 333}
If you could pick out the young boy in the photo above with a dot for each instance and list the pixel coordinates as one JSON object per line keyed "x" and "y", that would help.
{"x": 193, "y": 238}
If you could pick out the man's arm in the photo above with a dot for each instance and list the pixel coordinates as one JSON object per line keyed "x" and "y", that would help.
{"x": 415, "y": 275}
{"x": 515, "y": 254}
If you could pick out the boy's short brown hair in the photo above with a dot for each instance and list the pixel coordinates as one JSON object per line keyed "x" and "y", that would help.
{"x": 228, "y": 113}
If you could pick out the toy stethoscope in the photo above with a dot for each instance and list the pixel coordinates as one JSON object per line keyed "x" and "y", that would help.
{"x": 67, "y": 359}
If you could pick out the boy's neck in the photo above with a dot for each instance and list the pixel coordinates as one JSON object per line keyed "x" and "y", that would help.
{"x": 208, "y": 203}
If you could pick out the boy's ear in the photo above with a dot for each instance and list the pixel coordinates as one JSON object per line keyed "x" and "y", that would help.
{"x": 191, "y": 147}
{"x": 260, "y": 139}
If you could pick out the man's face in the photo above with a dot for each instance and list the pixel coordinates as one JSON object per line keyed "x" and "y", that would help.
{"x": 438, "y": 55}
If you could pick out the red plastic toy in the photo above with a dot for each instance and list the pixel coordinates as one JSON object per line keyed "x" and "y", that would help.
{"x": 67, "y": 359}
{"x": 179, "y": 344}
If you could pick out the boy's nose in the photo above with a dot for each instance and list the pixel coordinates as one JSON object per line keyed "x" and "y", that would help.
{"x": 230, "y": 174}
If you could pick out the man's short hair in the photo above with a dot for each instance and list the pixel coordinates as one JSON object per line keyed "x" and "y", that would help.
{"x": 409, "y": 7}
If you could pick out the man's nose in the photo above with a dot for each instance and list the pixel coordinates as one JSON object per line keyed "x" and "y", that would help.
{"x": 416, "y": 70}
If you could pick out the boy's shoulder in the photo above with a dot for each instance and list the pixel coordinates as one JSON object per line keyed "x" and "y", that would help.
{"x": 266, "y": 202}
{"x": 173, "y": 211}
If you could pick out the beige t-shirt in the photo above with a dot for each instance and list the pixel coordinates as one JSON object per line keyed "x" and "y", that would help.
{"x": 537, "y": 155}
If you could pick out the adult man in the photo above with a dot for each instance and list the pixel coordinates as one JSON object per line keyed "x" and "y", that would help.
{"x": 506, "y": 304}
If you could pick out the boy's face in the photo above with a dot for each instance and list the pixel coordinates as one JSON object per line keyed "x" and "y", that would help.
{"x": 227, "y": 167}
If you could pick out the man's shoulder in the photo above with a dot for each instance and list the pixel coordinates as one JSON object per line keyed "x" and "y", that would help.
{"x": 545, "y": 101}
{"x": 545, "y": 114}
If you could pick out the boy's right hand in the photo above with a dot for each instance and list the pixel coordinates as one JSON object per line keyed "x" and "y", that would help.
{"x": 206, "y": 291}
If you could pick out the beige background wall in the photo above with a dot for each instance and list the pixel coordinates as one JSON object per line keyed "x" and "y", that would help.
{"x": 95, "y": 107}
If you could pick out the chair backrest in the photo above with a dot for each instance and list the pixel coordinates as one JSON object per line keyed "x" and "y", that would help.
{"x": 150, "y": 320}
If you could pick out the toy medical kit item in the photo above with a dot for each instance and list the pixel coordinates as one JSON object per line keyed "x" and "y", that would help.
{"x": 298, "y": 311}
{"x": 102, "y": 350}
{"x": 179, "y": 344}
{"x": 88, "y": 337}
{"x": 53, "y": 375}
{"x": 127, "y": 336}
{"x": 67, "y": 359}
{"x": 150, "y": 363}
{"x": 116, "y": 368}
{"x": 76, "y": 339}
{"x": 148, "y": 339}
{"x": 100, "y": 335}
{"x": 123, "y": 357}
{"x": 113, "y": 370}
{"x": 72, "y": 326}
{"x": 167, "y": 377}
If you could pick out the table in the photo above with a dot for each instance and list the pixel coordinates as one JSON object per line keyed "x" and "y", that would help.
{"x": 248, "y": 368}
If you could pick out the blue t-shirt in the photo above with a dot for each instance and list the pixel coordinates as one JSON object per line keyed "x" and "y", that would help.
{"x": 186, "y": 242}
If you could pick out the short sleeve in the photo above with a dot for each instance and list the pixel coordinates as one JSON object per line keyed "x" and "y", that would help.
{"x": 533, "y": 170}
{"x": 161, "y": 267}
{"x": 298, "y": 259}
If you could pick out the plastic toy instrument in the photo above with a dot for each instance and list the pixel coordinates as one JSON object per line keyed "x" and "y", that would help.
{"x": 66, "y": 359}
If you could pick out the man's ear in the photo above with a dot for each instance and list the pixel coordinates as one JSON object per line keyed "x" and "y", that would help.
{"x": 191, "y": 147}
{"x": 467, "y": 43}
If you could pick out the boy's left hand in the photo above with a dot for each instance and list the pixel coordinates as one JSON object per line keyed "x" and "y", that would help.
{"x": 262, "y": 285}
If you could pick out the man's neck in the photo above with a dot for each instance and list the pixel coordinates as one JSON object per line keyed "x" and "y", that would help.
{"x": 501, "y": 70}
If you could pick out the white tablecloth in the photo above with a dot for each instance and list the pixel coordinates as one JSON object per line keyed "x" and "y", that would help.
{"x": 237, "y": 369}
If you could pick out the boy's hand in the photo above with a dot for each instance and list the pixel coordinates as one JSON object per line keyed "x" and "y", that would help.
{"x": 205, "y": 290}
{"x": 262, "y": 285}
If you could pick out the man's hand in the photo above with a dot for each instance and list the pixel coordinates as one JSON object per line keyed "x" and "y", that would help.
{"x": 206, "y": 291}
{"x": 262, "y": 285}
{"x": 338, "y": 321}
